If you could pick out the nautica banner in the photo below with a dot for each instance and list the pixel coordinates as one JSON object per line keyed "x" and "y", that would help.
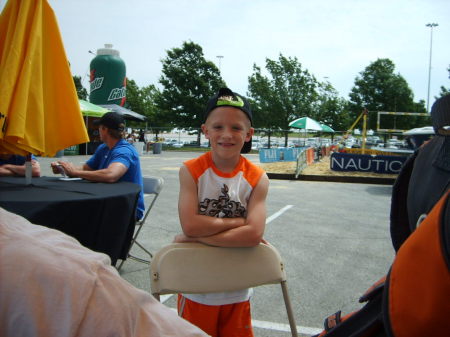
{"x": 366, "y": 163}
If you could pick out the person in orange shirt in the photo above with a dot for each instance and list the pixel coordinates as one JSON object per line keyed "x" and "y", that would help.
{"x": 222, "y": 203}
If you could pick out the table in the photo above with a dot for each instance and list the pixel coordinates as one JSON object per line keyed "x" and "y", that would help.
{"x": 99, "y": 215}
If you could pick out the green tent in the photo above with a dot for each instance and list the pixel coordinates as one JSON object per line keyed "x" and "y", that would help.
{"x": 326, "y": 128}
{"x": 91, "y": 110}
{"x": 305, "y": 123}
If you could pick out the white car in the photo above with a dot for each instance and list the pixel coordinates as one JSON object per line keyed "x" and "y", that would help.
{"x": 256, "y": 144}
{"x": 177, "y": 145}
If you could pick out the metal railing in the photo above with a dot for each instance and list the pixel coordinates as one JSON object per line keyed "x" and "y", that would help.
{"x": 301, "y": 163}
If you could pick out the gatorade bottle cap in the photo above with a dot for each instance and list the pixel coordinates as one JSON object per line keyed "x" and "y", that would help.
{"x": 108, "y": 50}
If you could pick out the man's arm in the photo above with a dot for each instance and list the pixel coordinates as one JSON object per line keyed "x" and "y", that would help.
{"x": 55, "y": 169}
{"x": 111, "y": 174}
{"x": 4, "y": 172}
{"x": 192, "y": 223}
{"x": 19, "y": 170}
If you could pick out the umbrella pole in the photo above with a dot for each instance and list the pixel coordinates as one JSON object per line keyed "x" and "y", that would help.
{"x": 87, "y": 128}
{"x": 28, "y": 169}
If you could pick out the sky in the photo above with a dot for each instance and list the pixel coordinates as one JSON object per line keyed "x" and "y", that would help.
{"x": 334, "y": 40}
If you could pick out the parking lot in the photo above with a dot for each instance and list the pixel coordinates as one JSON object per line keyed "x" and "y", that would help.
{"x": 334, "y": 239}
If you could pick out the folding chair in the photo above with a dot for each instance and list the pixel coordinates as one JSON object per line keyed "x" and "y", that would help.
{"x": 151, "y": 186}
{"x": 197, "y": 268}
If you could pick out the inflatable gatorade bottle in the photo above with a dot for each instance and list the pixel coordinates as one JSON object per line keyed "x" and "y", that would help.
{"x": 107, "y": 77}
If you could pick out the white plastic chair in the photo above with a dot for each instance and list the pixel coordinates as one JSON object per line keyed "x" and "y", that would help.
{"x": 152, "y": 186}
{"x": 197, "y": 268}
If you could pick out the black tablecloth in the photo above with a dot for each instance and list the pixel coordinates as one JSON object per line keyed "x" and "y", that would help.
{"x": 101, "y": 216}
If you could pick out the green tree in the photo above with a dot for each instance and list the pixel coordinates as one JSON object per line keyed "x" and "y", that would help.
{"x": 81, "y": 91}
{"x": 143, "y": 101}
{"x": 331, "y": 109}
{"x": 156, "y": 119}
{"x": 188, "y": 80}
{"x": 444, "y": 90}
{"x": 260, "y": 93}
{"x": 288, "y": 93}
{"x": 134, "y": 99}
{"x": 135, "y": 102}
{"x": 378, "y": 88}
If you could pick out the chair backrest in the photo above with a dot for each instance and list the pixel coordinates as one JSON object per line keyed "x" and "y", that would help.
{"x": 152, "y": 185}
{"x": 198, "y": 268}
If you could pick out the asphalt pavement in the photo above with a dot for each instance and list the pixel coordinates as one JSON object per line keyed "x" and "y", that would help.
{"x": 333, "y": 237}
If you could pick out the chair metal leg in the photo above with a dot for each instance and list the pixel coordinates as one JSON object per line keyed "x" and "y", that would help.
{"x": 138, "y": 259}
{"x": 129, "y": 256}
{"x": 143, "y": 248}
{"x": 290, "y": 313}
{"x": 120, "y": 265}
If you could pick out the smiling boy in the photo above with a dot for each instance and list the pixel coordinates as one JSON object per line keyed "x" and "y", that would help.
{"x": 222, "y": 203}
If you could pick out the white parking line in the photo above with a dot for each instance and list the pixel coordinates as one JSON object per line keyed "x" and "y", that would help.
{"x": 277, "y": 214}
{"x": 284, "y": 327}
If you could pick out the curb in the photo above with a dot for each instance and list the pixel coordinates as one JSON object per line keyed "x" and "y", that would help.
{"x": 337, "y": 179}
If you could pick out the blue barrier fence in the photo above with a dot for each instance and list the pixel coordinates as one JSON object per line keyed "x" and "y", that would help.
{"x": 279, "y": 154}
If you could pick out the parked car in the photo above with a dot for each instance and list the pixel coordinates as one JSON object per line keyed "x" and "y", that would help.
{"x": 257, "y": 144}
{"x": 191, "y": 143}
{"x": 394, "y": 144}
{"x": 177, "y": 144}
{"x": 325, "y": 141}
{"x": 170, "y": 141}
{"x": 372, "y": 140}
{"x": 313, "y": 142}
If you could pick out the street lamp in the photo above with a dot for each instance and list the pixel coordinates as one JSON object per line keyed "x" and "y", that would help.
{"x": 431, "y": 25}
{"x": 220, "y": 57}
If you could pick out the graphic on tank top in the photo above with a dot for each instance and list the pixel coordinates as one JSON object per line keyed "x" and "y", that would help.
{"x": 222, "y": 207}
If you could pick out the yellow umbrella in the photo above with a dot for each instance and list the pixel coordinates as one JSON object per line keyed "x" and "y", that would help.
{"x": 39, "y": 108}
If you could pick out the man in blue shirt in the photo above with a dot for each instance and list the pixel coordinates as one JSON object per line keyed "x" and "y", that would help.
{"x": 14, "y": 165}
{"x": 114, "y": 160}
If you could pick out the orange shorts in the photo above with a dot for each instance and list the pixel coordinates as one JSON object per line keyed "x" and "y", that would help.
{"x": 229, "y": 320}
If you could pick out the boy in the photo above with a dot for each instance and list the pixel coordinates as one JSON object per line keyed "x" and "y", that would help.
{"x": 222, "y": 203}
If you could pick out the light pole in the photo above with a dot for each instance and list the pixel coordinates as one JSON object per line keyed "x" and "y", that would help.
{"x": 220, "y": 57}
{"x": 431, "y": 25}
